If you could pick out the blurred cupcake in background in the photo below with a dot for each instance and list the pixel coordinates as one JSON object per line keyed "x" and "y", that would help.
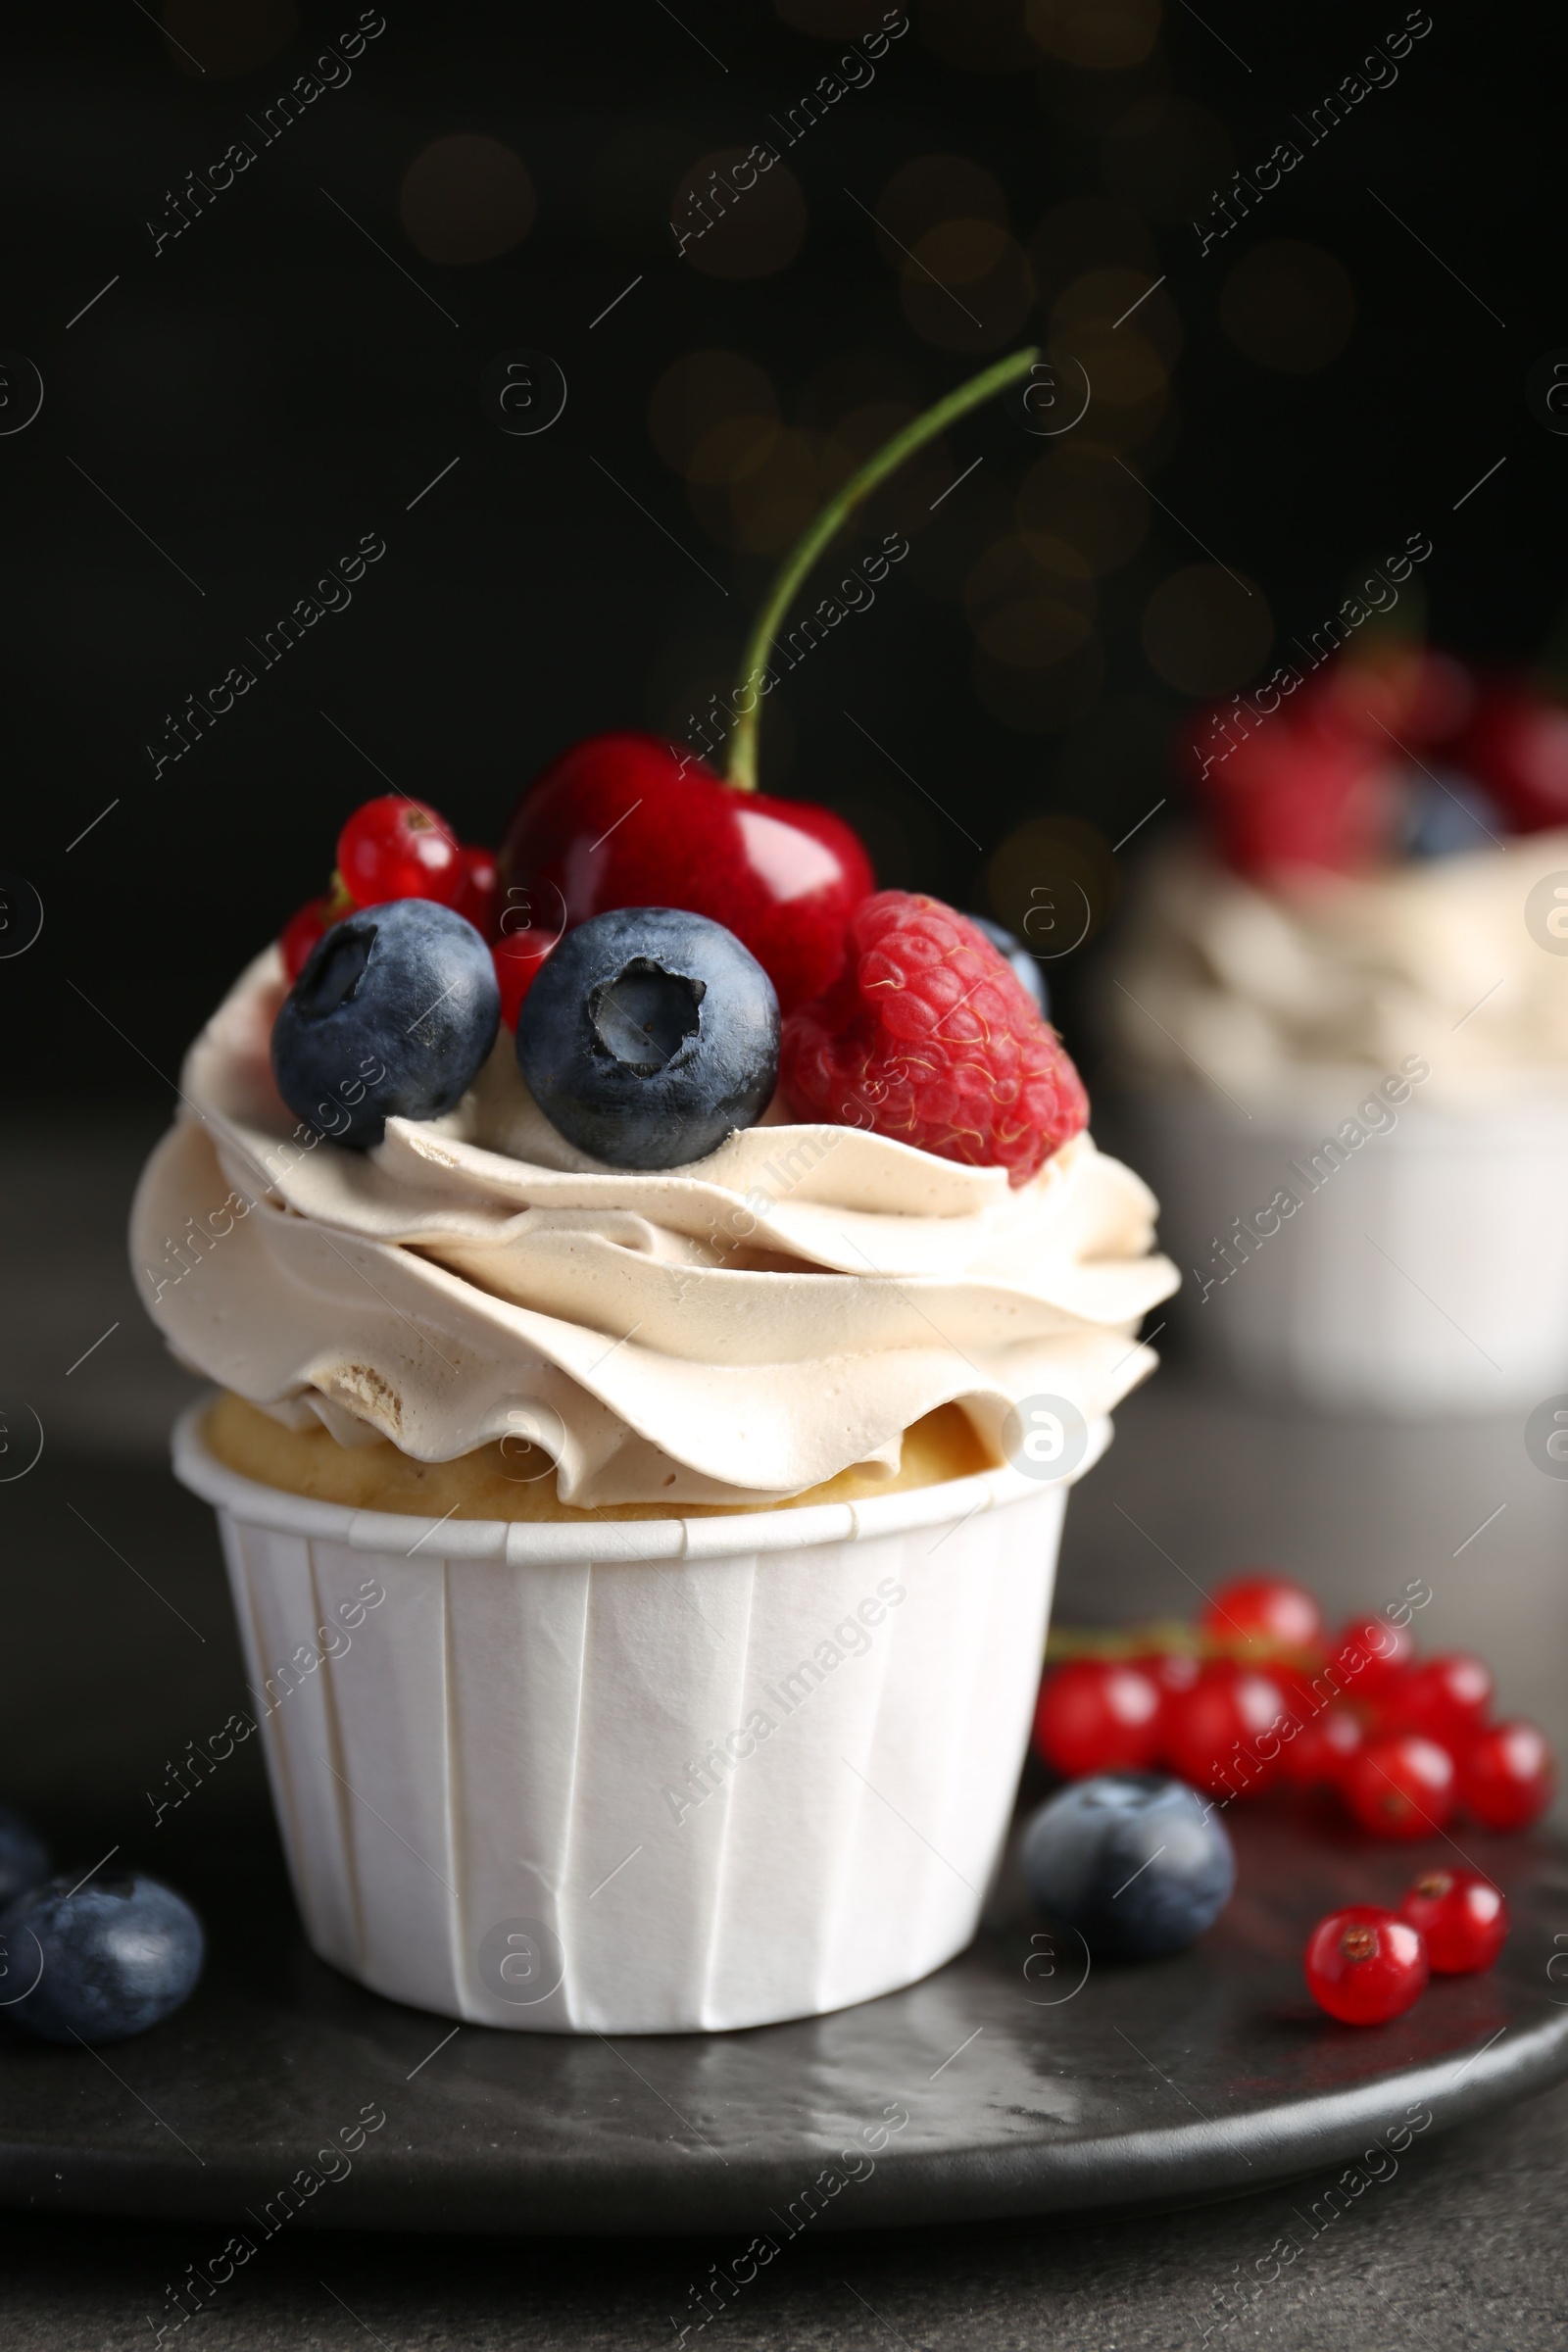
{"x": 1339, "y": 1014}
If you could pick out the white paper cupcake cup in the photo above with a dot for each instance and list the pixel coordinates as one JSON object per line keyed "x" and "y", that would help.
{"x": 642, "y": 1776}
{"x": 1426, "y": 1275}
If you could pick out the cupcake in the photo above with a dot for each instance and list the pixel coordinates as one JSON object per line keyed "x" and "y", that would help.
{"x": 1338, "y": 1018}
{"x": 660, "y": 1290}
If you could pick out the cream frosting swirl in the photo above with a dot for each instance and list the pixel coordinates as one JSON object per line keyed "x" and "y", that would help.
{"x": 734, "y": 1330}
{"x": 1251, "y": 991}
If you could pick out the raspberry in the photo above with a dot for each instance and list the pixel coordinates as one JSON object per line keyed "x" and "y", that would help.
{"x": 929, "y": 1037}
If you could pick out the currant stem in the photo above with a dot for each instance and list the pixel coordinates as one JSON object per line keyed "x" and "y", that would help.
{"x": 817, "y": 535}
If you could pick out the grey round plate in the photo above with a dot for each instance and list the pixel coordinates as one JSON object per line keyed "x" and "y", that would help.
{"x": 1011, "y": 2082}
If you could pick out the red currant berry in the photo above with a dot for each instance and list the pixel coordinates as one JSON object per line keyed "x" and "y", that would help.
{"x": 1507, "y": 1776}
{"x": 518, "y": 958}
{"x": 478, "y": 892}
{"x": 395, "y": 847}
{"x": 1173, "y": 1671}
{"x": 1227, "y": 1734}
{"x": 1370, "y": 1654}
{"x": 1401, "y": 1788}
{"x": 1364, "y": 1966}
{"x": 1444, "y": 1699}
{"x": 1463, "y": 1918}
{"x": 304, "y": 928}
{"x": 300, "y": 933}
{"x": 1096, "y": 1715}
{"x": 1323, "y": 1750}
{"x": 1262, "y": 1611}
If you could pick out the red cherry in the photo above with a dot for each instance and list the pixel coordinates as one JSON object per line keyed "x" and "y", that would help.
{"x": 1364, "y": 1966}
{"x": 1507, "y": 1775}
{"x": 1369, "y": 1655}
{"x": 624, "y": 821}
{"x": 478, "y": 892}
{"x": 1517, "y": 747}
{"x": 517, "y": 956}
{"x": 1096, "y": 1715}
{"x": 1463, "y": 1918}
{"x": 1444, "y": 1699}
{"x": 393, "y": 848}
{"x": 1401, "y": 1788}
{"x": 1262, "y": 1611}
{"x": 1323, "y": 1750}
{"x": 1227, "y": 1734}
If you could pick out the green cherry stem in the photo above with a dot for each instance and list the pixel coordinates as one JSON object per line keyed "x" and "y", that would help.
{"x": 817, "y": 535}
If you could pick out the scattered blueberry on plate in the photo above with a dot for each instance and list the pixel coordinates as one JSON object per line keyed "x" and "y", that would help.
{"x": 99, "y": 1961}
{"x": 1136, "y": 1862}
{"x": 392, "y": 1016}
{"x": 650, "y": 1036}
{"x": 24, "y": 1856}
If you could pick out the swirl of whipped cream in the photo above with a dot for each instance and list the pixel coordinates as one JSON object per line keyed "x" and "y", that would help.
{"x": 737, "y": 1329}
{"x": 1251, "y": 989}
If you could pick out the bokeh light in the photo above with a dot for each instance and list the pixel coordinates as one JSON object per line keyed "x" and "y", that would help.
{"x": 1080, "y": 494}
{"x": 708, "y": 411}
{"x": 771, "y": 500}
{"x": 738, "y": 221}
{"x": 943, "y": 222}
{"x": 1030, "y": 603}
{"x": 1113, "y": 298}
{"x": 1107, "y": 35}
{"x": 968, "y": 286}
{"x": 465, "y": 199}
{"x": 1205, "y": 631}
{"x": 1127, "y": 383}
{"x": 1039, "y": 702}
{"x": 1088, "y": 233}
{"x": 1166, "y": 156}
{"x": 1288, "y": 305}
{"x": 853, "y": 380}
{"x": 1055, "y": 883}
{"x": 928, "y": 190}
{"x": 220, "y": 38}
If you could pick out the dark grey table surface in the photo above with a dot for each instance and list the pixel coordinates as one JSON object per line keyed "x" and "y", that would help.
{"x": 115, "y": 1635}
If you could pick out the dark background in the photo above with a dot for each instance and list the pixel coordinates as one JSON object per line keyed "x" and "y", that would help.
{"x": 267, "y": 387}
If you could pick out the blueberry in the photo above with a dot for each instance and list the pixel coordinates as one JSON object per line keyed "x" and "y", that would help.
{"x": 1444, "y": 817}
{"x": 101, "y": 1960}
{"x": 23, "y": 1857}
{"x": 1134, "y": 1862}
{"x": 648, "y": 1036}
{"x": 392, "y": 1016}
{"x": 1018, "y": 956}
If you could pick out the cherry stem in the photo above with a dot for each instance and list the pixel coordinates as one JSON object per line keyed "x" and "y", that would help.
{"x": 817, "y": 535}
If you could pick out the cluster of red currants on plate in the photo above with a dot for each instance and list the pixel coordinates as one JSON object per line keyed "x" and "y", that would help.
{"x": 1256, "y": 1697}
